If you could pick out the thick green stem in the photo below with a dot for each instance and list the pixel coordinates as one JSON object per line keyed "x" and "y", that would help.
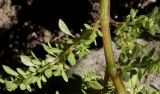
{"x": 107, "y": 44}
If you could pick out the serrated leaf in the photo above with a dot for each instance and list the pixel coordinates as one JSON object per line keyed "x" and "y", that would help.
{"x": 48, "y": 73}
{"x": 10, "y": 86}
{"x": 63, "y": 27}
{"x": 23, "y": 86}
{"x": 44, "y": 78}
{"x": 39, "y": 83}
{"x": 71, "y": 58}
{"x": 95, "y": 85}
{"x": 20, "y": 71}
{"x": 9, "y": 70}
{"x": 64, "y": 76}
{"x": 26, "y": 60}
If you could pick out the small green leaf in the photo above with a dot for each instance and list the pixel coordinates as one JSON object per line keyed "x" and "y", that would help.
{"x": 139, "y": 88}
{"x": 29, "y": 88}
{"x": 36, "y": 62}
{"x": 99, "y": 33}
{"x": 142, "y": 19}
{"x": 154, "y": 12}
{"x": 26, "y": 60}
{"x": 132, "y": 82}
{"x": 57, "y": 92}
{"x": 9, "y": 70}
{"x": 20, "y": 71}
{"x": 32, "y": 69}
{"x": 23, "y": 86}
{"x": 88, "y": 26}
{"x": 64, "y": 76}
{"x": 63, "y": 27}
{"x": 39, "y": 83}
{"x": 48, "y": 73}
{"x": 133, "y": 13}
{"x": 54, "y": 67}
{"x": 51, "y": 51}
{"x": 140, "y": 73}
{"x": 49, "y": 44}
{"x": 1, "y": 80}
{"x": 151, "y": 31}
{"x": 31, "y": 79}
{"x": 71, "y": 58}
{"x": 136, "y": 51}
{"x": 120, "y": 28}
{"x": 47, "y": 49}
{"x": 10, "y": 86}
{"x": 57, "y": 73}
{"x": 44, "y": 78}
{"x": 95, "y": 85}
{"x": 49, "y": 59}
{"x": 124, "y": 74}
{"x": 151, "y": 53}
{"x": 55, "y": 50}
{"x": 66, "y": 66}
{"x": 32, "y": 53}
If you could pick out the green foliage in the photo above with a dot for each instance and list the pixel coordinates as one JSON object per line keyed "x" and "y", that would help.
{"x": 136, "y": 59}
{"x": 64, "y": 28}
{"x": 10, "y": 71}
{"x": 71, "y": 58}
{"x": 56, "y": 62}
{"x": 63, "y": 52}
{"x": 90, "y": 81}
{"x": 134, "y": 26}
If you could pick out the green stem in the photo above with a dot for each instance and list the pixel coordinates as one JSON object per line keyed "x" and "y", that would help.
{"x": 111, "y": 68}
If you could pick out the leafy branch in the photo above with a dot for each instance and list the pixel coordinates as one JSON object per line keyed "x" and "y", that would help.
{"x": 56, "y": 62}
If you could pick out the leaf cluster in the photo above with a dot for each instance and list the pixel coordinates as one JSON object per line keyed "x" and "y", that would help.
{"x": 136, "y": 60}
{"x": 61, "y": 55}
{"x": 134, "y": 26}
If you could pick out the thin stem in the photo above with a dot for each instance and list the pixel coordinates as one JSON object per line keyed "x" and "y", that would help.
{"x": 111, "y": 68}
